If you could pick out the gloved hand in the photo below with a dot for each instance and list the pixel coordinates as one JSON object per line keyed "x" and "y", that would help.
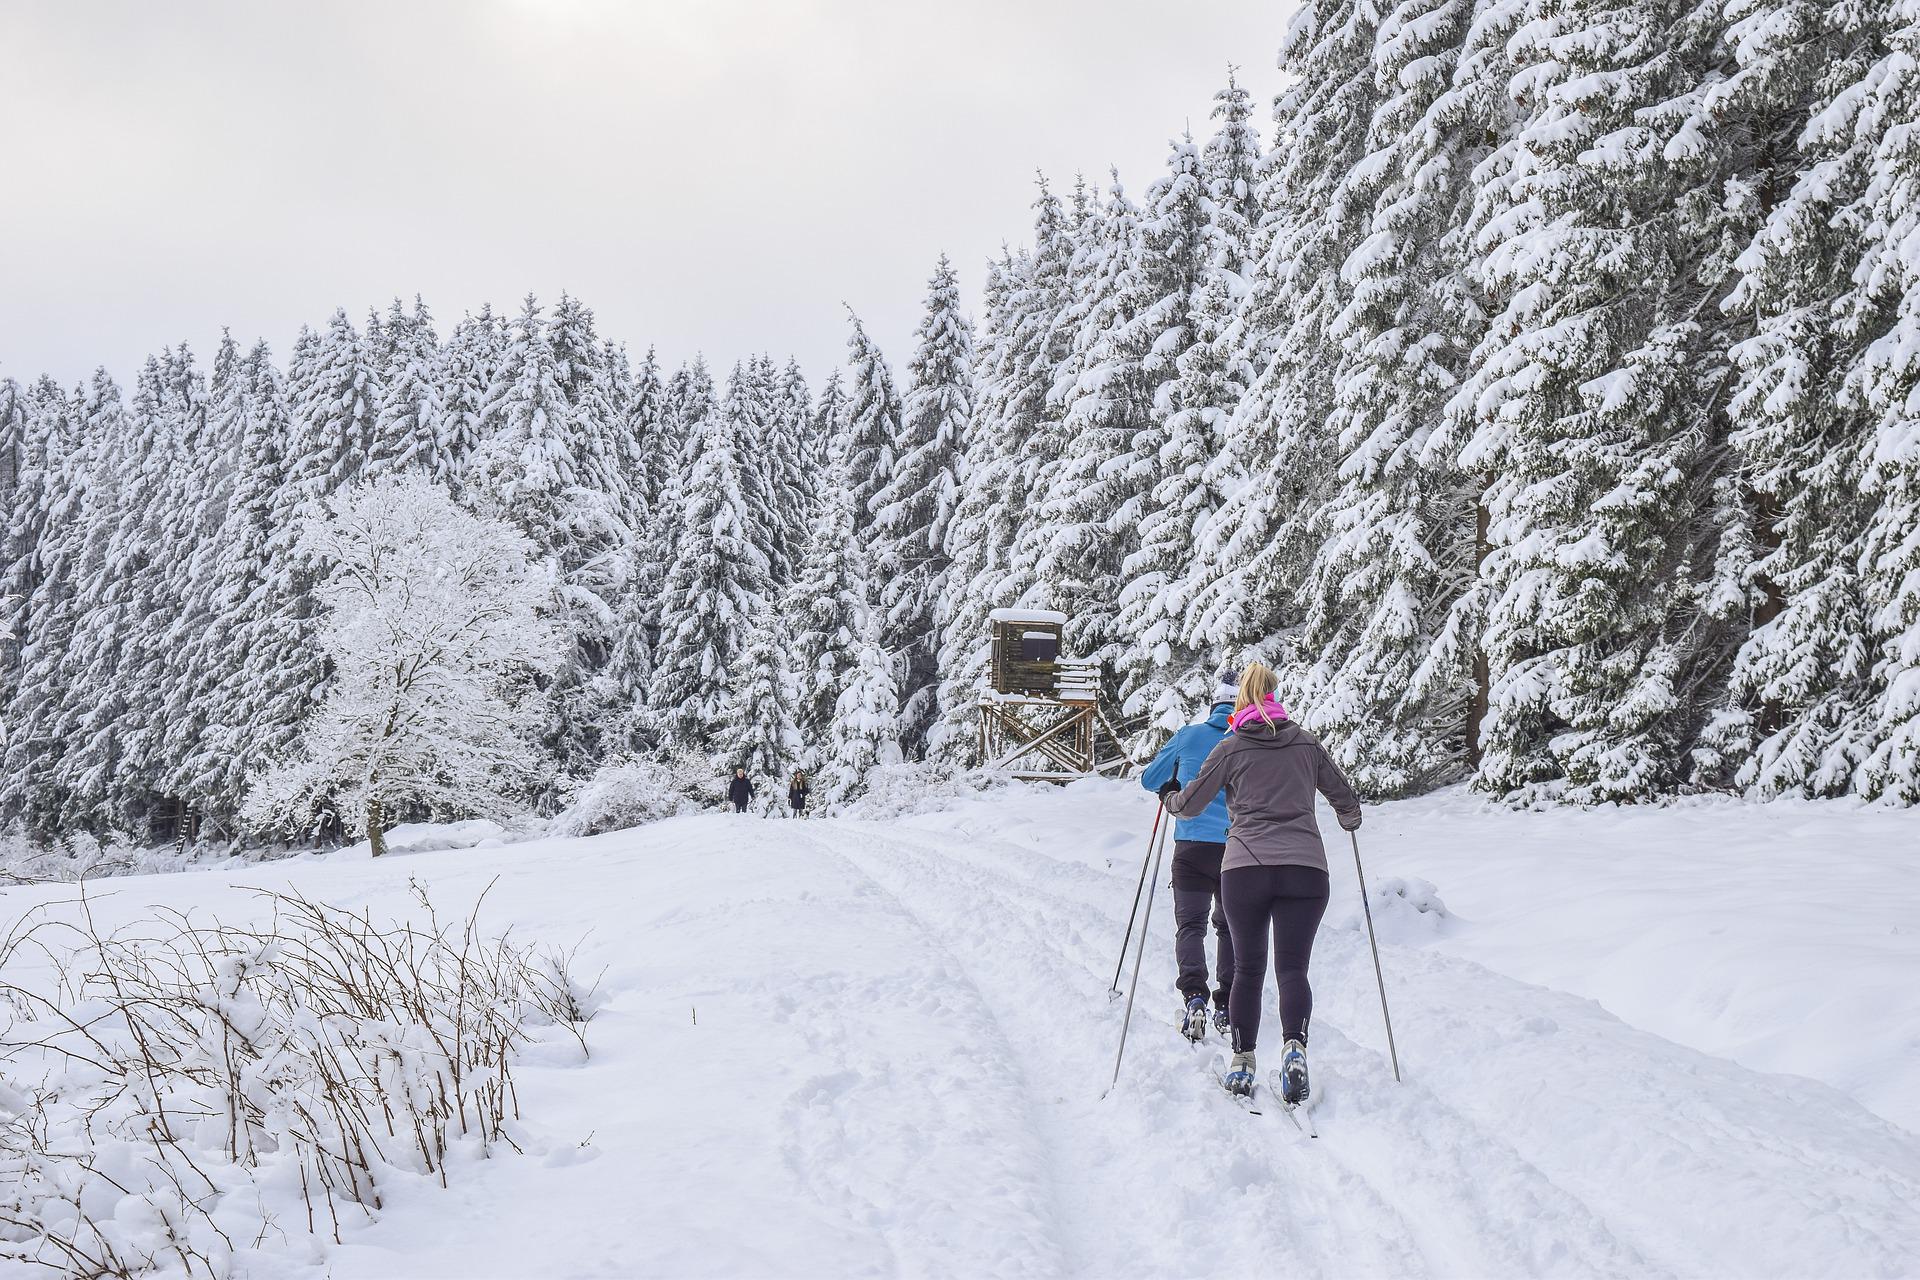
{"x": 1350, "y": 823}
{"x": 1169, "y": 788}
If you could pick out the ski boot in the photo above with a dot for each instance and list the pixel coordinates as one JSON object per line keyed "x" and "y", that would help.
{"x": 1222, "y": 1024}
{"x": 1293, "y": 1074}
{"x": 1193, "y": 1019}
{"x": 1239, "y": 1077}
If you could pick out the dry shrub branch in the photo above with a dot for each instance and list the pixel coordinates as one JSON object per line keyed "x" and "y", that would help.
{"x": 173, "y": 1092}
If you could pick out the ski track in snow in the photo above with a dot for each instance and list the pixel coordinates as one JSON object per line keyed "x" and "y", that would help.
{"x": 853, "y": 1048}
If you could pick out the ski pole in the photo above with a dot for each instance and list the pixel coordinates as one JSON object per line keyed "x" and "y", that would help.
{"x": 1113, "y": 988}
{"x": 1138, "y": 951}
{"x": 1375, "y": 944}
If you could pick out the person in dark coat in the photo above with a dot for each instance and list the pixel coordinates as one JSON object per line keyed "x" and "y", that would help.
{"x": 740, "y": 790}
{"x": 797, "y": 792}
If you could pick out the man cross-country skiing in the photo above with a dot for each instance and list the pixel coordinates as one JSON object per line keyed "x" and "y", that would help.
{"x": 1274, "y": 876}
{"x": 1199, "y": 843}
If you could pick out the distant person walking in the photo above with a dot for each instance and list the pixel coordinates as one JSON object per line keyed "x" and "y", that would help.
{"x": 740, "y": 790}
{"x": 1274, "y": 875}
{"x": 797, "y": 793}
{"x": 1199, "y": 843}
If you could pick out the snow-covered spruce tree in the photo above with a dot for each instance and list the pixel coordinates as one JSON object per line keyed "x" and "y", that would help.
{"x": 250, "y": 611}
{"x": 40, "y": 439}
{"x": 45, "y": 541}
{"x": 434, "y": 628}
{"x": 824, "y": 605}
{"x": 872, "y": 422}
{"x": 980, "y": 537}
{"x": 1799, "y": 689}
{"x": 156, "y": 536}
{"x": 467, "y": 370}
{"x": 1017, "y": 404}
{"x": 782, "y": 460}
{"x": 1885, "y": 380}
{"x": 757, "y": 731}
{"x": 1160, "y": 674}
{"x": 639, "y": 431}
{"x": 865, "y": 716}
{"x": 199, "y": 498}
{"x": 749, "y": 410}
{"x": 409, "y": 427}
{"x": 1386, "y": 681}
{"x": 716, "y": 586}
{"x": 794, "y": 406}
{"x": 1251, "y": 555}
{"x": 544, "y": 466}
{"x": 1482, "y": 112}
{"x": 12, "y": 433}
{"x": 589, "y": 378}
{"x": 687, "y": 401}
{"x": 829, "y": 421}
{"x": 91, "y": 719}
{"x": 915, "y": 508}
{"x": 1054, "y": 300}
{"x": 334, "y": 383}
{"x": 1230, "y": 165}
{"x": 283, "y": 672}
{"x": 1090, "y": 512}
{"x": 13, "y": 414}
{"x": 629, "y": 666}
{"x": 1595, "y": 396}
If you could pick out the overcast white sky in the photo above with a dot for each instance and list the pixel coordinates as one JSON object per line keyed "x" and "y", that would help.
{"x": 711, "y": 175}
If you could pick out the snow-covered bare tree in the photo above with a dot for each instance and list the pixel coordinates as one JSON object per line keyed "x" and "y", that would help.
{"x": 436, "y": 623}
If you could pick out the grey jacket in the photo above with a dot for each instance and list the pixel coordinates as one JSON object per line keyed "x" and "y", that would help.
{"x": 1270, "y": 774}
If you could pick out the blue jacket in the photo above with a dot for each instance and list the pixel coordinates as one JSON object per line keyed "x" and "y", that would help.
{"x": 1184, "y": 753}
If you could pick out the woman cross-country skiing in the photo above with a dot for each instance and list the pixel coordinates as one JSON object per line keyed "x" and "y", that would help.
{"x": 1274, "y": 874}
{"x": 797, "y": 793}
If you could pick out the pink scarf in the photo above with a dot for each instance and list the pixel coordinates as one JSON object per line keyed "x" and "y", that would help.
{"x": 1268, "y": 709}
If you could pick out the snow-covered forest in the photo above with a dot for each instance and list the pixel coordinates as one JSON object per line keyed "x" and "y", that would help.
{"x": 1539, "y": 393}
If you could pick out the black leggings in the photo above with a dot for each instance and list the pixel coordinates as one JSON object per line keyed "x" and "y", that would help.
{"x": 1290, "y": 900}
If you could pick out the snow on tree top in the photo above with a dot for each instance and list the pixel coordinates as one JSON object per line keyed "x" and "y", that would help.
{"x": 1028, "y": 615}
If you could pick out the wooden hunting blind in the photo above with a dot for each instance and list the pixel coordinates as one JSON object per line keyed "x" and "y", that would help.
{"x": 1026, "y": 651}
{"x": 1040, "y": 717}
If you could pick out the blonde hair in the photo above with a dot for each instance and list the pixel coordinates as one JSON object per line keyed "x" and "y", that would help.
{"x": 1257, "y": 684}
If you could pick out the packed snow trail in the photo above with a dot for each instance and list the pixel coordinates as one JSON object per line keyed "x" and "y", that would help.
{"x": 861, "y": 1048}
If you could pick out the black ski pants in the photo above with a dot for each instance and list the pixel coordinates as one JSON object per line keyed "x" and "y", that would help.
{"x": 1196, "y": 891}
{"x": 1288, "y": 900}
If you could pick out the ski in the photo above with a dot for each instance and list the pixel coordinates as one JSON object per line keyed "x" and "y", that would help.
{"x": 1294, "y": 1110}
{"x": 1246, "y": 1100}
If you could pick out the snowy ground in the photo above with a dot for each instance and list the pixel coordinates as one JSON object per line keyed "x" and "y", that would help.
{"x": 846, "y": 1048}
